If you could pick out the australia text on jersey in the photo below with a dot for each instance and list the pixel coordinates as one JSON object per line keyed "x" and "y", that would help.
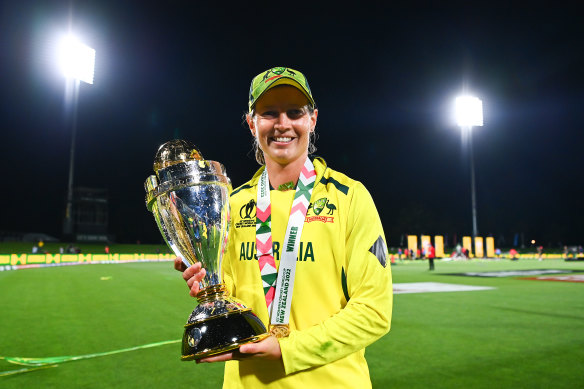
{"x": 248, "y": 252}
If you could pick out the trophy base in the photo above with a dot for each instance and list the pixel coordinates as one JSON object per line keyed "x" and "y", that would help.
{"x": 219, "y": 324}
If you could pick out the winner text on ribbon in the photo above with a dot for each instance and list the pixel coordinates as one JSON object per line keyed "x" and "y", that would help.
{"x": 282, "y": 302}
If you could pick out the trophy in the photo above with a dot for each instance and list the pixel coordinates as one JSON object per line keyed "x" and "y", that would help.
{"x": 189, "y": 198}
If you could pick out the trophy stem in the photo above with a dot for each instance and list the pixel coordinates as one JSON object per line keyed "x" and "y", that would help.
{"x": 211, "y": 293}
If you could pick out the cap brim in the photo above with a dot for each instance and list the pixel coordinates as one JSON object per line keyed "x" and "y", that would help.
{"x": 285, "y": 81}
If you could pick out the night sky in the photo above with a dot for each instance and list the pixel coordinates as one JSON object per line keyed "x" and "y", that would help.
{"x": 384, "y": 80}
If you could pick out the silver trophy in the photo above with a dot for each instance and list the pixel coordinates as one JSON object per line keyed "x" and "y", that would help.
{"x": 189, "y": 198}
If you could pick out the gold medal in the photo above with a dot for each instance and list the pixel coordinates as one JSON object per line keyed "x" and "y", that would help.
{"x": 280, "y": 330}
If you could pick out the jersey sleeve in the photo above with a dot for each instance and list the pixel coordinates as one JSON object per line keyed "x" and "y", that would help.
{"x": 367, "y": 315}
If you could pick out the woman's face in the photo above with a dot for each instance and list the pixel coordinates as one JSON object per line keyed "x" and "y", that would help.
{"x": 282, "y": 124}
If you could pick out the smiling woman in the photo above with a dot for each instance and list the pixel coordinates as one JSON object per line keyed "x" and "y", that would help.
{"x": 281, "y": 125}
{"x": 305, "y": 107}
{"x": 320, "y": 281}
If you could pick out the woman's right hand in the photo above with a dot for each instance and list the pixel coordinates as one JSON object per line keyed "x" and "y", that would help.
{"x": 192, "y": 275}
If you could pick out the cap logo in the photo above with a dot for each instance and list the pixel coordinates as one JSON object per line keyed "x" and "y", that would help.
{"x": 277, "y": 73}
{"x": 264, "y": 81}
{"x": 271, "y": 78}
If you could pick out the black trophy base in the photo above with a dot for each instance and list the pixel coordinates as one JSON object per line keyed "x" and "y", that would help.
{"x": 220, "y": 334}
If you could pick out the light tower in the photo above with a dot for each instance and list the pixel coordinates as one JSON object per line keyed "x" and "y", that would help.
{"x": 77, "y": 63}
{"x": 469, "y": 113}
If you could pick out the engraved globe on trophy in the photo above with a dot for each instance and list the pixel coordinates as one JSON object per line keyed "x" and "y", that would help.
{"x": 189, "y": 198}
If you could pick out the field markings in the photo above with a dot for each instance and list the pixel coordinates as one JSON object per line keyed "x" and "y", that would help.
{"x": 515, "y": 273}
{"x": 574, "y": 278}
{"x": 434, "y": 287}
{"x": 24, "y": 370}
{"x": 46, "y": 362}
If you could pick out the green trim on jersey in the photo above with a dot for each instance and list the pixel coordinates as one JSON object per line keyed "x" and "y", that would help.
{"x": 344, "y": 284}
{"x": 343, "y": 188}
{"x": 236, "y": 190}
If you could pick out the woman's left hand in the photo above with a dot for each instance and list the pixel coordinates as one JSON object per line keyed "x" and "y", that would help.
{"x": 268, "y": 348}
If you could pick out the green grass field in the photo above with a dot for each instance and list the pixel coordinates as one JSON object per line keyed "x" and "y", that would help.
{"x": 522, "y": 334}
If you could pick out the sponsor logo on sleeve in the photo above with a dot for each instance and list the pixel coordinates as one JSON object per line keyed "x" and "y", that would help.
{"x": 379, "y": 249}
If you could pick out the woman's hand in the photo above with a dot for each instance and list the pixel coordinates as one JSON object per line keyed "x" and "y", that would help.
{"x": 192, "y": 275}
{"x": 268, "y": 348}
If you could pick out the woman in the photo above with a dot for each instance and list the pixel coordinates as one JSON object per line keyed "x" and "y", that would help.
{"x": 311, "y": 263}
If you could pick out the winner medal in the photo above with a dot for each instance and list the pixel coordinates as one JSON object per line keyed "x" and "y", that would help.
{"x": 280, "y": 330}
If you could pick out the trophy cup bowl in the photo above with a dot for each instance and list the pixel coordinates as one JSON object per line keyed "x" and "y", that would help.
{"x": 189, "y": 198}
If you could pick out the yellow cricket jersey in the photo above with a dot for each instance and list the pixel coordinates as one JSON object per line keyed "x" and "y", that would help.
{"x": 342, "y": 298}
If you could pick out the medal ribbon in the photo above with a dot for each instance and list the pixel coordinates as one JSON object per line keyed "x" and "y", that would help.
{"x": 278, "y": 286}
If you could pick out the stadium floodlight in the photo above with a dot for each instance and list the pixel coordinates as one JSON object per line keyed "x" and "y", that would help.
{"x": 469, "y": 113}
{"x": 76, "y": 60}
{"x": 77, "y": 63}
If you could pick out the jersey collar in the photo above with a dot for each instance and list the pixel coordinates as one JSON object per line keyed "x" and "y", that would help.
{"x": 319, "y": 165}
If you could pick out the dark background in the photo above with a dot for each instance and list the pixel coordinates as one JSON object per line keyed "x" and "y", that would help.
{"x": 384, "y": 80}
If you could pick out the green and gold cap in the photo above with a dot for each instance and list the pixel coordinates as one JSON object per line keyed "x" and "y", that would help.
{"x": 274, "y": 77}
